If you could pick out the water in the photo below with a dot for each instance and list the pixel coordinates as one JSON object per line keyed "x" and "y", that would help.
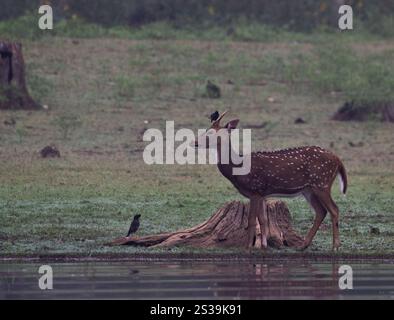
{"x": 196, "y": 280}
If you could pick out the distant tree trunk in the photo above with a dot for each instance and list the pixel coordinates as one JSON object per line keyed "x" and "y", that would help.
{"x": 334, "y": 8}
{"x": 13, "y": 90}
{"x": 226, "y": 228}
{"x": 388, "y": 112}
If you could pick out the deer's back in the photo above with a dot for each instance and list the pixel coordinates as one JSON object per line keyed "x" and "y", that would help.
{"x": 289, "y": 171}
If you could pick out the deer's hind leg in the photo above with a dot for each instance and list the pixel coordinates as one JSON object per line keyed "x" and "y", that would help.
{"x": 330, "y": 205}
{"x": 320, "y": 214}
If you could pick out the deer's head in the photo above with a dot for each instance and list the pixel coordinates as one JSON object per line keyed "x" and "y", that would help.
{"x": 216, "y": 133}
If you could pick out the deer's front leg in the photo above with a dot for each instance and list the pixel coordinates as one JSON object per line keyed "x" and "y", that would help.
{"x": 253, "y": 210}
{"x": 263, "y": 221}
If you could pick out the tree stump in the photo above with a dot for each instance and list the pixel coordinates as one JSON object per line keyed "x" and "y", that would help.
{"x": 227, "y": 227}
{"x": 13, "y": 89}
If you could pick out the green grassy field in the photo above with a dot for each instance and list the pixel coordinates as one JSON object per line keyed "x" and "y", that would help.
{"x": 102, "y": 93}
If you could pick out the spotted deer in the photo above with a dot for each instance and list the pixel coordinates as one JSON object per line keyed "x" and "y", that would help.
{"x": 309, "y": 171}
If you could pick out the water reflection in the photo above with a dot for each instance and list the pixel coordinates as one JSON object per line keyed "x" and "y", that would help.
{"x": 196, "y": 280}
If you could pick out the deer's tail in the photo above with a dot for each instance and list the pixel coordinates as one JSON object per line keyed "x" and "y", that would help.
{"x": 342, "y": 177}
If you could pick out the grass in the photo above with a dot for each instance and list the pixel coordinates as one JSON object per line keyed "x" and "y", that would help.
{"x": 118, "y": 87}
{"x": 241, "y": 29}
{"x": 67, "y": 123}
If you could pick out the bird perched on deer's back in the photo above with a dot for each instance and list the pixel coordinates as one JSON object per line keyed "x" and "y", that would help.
{"x": 214, "y": 116}
{"x": 135, "y": 224}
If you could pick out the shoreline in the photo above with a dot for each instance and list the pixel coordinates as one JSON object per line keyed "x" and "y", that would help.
{"x": 190, "y": 257}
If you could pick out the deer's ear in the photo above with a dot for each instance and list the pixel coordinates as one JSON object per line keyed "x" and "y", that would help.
{"x": 232, "y": 124}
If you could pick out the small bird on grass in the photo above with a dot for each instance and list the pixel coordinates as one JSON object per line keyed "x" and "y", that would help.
{"x": 135, "y": 224}
{"x": 213, "y": 90}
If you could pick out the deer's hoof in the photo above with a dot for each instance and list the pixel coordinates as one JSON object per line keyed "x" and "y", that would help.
{"x": 335, "y": 248}
{"x": 265, "y": 249}
{"x": 303, "y": 247}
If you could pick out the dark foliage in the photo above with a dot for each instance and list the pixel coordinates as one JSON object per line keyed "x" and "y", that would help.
{"x": 300, "y": 15}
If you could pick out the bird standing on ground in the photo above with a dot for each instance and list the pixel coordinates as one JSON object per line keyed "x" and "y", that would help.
{"x": 213, "y": 90}
{"x": 135, "y": 224}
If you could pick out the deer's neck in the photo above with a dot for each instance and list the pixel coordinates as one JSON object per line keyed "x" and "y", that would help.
{"x": 226, "y": 154}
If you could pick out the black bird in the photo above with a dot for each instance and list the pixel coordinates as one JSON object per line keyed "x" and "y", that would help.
{"x": 214, "y": 116}
{"x": 135, "y": 224}
{"x": 213, "y": 91}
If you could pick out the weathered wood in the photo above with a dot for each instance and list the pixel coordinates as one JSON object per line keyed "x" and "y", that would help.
{"x": 13, "y": 89}
{"x": 227, "y": 227}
